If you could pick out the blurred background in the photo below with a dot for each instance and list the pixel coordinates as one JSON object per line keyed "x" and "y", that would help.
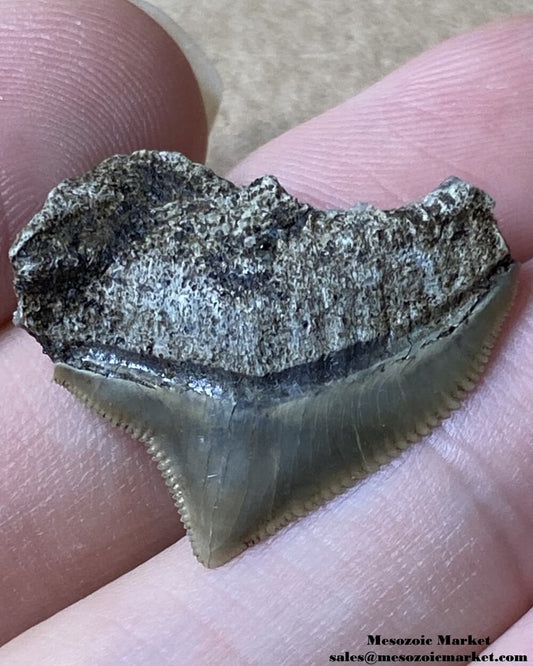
{"x": 284, "y": 61}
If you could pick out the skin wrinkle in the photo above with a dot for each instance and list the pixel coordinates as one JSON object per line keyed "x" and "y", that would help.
{"x": 495, "y": 527}
{"x": 427, "y": 153}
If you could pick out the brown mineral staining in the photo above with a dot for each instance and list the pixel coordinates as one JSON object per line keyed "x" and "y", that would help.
{"x": 270, "y": 354}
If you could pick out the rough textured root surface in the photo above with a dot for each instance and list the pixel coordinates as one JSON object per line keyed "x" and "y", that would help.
{"x": 298, "y": 278}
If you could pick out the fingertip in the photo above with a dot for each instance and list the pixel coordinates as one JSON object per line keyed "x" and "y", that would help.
{"x": 208, "y": 78}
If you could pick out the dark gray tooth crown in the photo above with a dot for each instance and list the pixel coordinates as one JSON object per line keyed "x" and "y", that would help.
{"x": 269, "y": 353}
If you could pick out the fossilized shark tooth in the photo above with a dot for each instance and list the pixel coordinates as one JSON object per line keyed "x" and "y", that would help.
{"x": 268, "y": 353}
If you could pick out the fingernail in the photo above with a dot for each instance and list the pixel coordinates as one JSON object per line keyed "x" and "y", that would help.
{"x": 205, "y": 72}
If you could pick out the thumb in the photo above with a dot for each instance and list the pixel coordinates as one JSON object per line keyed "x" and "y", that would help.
{"x": 79, "y": 82}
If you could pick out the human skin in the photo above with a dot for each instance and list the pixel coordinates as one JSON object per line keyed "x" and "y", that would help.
{"x": 440, "y": 541}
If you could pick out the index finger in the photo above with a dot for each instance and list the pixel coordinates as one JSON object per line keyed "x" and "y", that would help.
{"x": 468, "y": 114}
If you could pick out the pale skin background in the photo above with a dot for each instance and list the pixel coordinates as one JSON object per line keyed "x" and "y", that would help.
{"x": 440, "y": 541}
